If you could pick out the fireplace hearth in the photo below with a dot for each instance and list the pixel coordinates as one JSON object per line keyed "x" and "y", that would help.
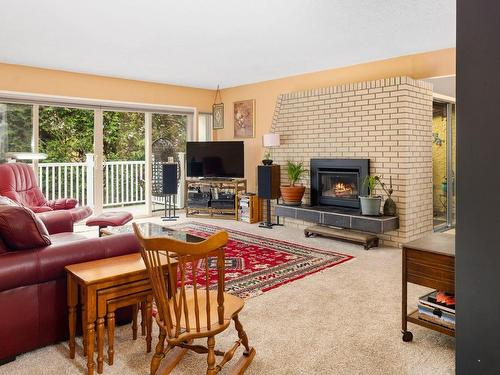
{"x": 338, "y": 182}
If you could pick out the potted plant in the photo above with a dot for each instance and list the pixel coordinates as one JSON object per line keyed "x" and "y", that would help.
{"x": 370, "y": 205}
{"x": 292, "y": 194}
{"x": 267, "y": 158}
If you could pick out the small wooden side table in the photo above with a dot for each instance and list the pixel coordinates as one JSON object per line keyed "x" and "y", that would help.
{"x": 430, "y": 262}
{"x": 95, "y": 278}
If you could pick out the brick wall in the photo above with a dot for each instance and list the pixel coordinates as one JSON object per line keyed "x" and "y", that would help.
{"x": 388, "y": 121}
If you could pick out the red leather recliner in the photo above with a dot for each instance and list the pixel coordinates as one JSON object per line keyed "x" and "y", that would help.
{"x": 18, "y": 182}
{"x": 33, "y": 308}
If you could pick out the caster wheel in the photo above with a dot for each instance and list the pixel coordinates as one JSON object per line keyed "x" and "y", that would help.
{"x": 407, "y": 336}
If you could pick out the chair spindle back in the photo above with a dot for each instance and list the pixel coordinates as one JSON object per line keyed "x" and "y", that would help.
{"x": 174, "y": 300}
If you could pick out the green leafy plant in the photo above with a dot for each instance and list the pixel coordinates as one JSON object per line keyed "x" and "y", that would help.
{"x": 295, "y": 171}
{"x": 371, "y": 182}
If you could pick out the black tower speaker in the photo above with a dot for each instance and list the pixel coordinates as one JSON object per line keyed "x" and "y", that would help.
{"x": 268, "y": 178}
{"x": 268, "y": 181}
{"x": 169, "y": 178}
{"x": 169, "y": 189}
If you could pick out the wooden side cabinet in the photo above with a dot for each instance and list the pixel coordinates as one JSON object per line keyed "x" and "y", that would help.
{"x": 430, "y": 262}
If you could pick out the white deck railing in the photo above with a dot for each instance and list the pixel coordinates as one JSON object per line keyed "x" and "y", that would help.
{"x": 123, "y": 182}
{"x": 64, "y": 180}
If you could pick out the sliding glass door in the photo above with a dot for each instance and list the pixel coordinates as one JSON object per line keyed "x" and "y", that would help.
{"x": 169, "y": 136}
{"x": 97, "y": 153}
{"x": 124, "y": 161}
{"x": 443, "y": 165}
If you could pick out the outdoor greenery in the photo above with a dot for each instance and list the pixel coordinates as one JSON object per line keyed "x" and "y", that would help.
{"x": 67, "y": 134}
{"x": 17, "y": 119}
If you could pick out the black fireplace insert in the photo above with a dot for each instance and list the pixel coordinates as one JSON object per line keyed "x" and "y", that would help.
{"x": 338, "y": 182}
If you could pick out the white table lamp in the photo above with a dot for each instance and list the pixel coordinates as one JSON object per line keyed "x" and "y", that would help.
{"x": 270, "y": 140}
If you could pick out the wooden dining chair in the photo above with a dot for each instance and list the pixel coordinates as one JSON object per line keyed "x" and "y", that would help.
{"x": 198, "y": 311}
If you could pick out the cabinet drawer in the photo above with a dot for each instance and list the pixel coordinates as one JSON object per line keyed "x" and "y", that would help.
{"x": 285, "y": 211}
{"x": 431, "y": 270}
{"x": 309, "y": 215}
{"x": 366, "y": 225}
{"x": 340, "y": 221}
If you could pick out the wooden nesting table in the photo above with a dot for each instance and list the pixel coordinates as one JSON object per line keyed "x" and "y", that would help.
{"x": 107, "y": 284}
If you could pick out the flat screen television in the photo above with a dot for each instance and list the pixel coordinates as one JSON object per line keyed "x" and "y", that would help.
{"x": 215, "y": 159}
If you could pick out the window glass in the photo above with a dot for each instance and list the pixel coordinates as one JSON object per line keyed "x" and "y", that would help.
{"x": 16, "y": 128}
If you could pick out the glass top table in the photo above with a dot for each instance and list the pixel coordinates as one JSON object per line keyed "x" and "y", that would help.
{"x": 153, "y": 230}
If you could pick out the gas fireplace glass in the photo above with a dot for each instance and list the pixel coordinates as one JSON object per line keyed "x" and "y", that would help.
{"x": 339, "y": 185}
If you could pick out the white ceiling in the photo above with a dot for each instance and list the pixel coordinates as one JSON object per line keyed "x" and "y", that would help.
{"x": 203, "y": 43}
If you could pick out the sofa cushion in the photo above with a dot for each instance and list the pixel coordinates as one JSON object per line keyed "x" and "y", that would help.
{"x": 21, "y": 229}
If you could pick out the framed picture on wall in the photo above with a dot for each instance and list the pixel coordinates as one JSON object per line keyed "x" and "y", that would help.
{"x": 218, "y": 116}
{"x": 244, "y": 119}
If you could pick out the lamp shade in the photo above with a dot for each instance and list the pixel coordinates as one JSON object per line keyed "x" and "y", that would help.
{"x": 271, "y": 140}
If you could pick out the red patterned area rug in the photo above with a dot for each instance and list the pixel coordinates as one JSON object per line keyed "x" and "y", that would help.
{"x": 256, "y": 264}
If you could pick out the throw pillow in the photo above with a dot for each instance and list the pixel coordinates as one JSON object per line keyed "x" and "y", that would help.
{"x": 21, "y": 229}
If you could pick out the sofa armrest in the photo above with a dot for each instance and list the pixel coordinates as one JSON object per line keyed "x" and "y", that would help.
{"x": 53, "y": 258}
{"x": 57, "y": 221}
{"x": 39, "y": 209}
{"x": 62, "y": 203}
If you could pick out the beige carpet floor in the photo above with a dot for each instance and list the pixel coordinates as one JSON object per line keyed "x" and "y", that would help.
{"x": 344, "y": 320}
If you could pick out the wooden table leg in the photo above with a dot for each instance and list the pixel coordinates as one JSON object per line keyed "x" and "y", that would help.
{"x": 111, "y": 336}
{"x": 134, "y": 321}
{"x": 84, "y": 320}
{"x": 407, "y": 335}
{"x": 100, "y": 344}
{"x": 90, "y": 312}
{"x": 101, "y": 313}
{"x": 72, "y": 288}
{"x": 149, "y": 322}
{"x": 143, "y": 318}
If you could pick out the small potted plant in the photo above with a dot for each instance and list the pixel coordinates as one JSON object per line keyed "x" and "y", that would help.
{"x": 292, "y": 194}
{"x": 267, "y": 158}
{"x": 370, "y": 205}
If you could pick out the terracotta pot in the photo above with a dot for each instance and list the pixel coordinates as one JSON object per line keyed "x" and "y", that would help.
{"x": 292, "y": 195}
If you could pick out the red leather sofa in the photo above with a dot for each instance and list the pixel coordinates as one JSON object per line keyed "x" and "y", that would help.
{"x": 18, "y": 182}
{"x": 33, "y": 310}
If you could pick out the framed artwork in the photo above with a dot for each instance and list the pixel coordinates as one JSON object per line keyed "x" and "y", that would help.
{"x": 218, "y": 116}
{"x": 244, "y": 119}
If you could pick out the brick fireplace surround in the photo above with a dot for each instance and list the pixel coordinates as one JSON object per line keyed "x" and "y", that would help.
{"x": 388, "y": 121}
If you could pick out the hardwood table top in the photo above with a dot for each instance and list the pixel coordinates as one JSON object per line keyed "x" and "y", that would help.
{"x": 438, "y": 243}
{"x": 102, "y": 270}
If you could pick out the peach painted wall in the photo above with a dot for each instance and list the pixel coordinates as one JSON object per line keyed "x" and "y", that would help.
{"x": 424, "y": 65}
{"x": 55, "y": 82}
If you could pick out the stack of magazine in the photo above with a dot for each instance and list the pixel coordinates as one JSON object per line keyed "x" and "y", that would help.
{"x": 244, "y": 208}
{"x": 438, "y": 307}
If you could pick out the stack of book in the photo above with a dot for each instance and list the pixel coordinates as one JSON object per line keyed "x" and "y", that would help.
{"x": 244, "y": 208}
{"x": 438, "y": 307}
